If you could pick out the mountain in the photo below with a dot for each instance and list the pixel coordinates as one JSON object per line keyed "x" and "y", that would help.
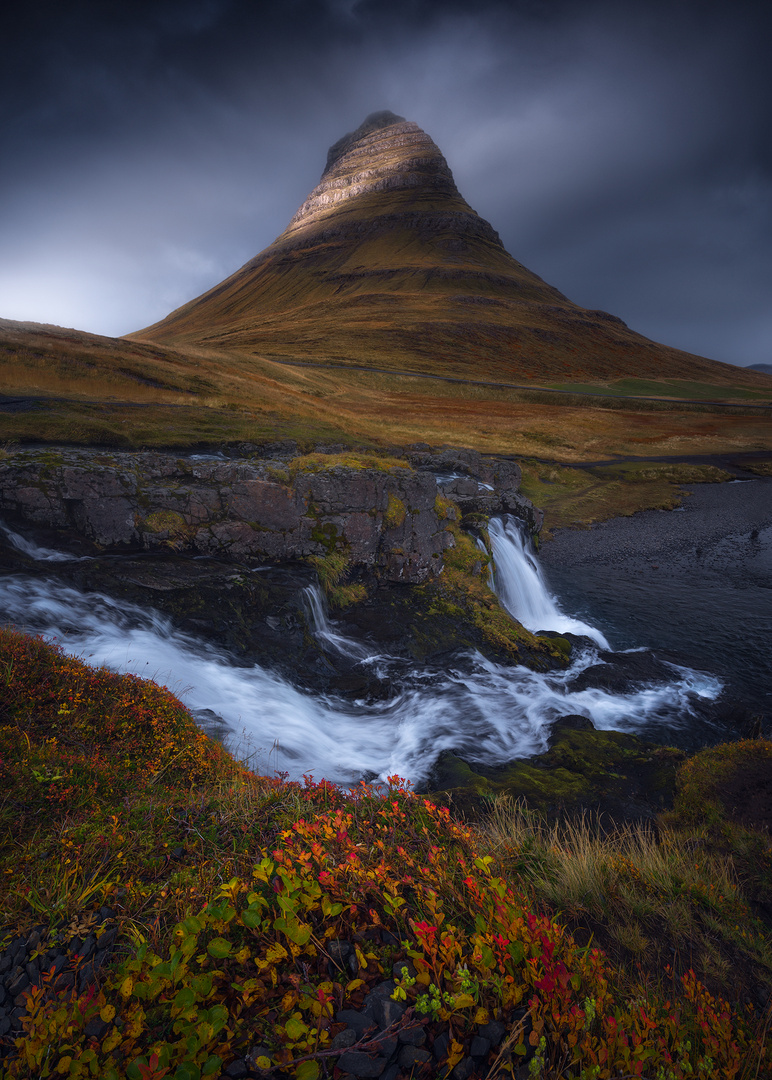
{"x": 386, "y": 265}
{"x": 765, "y": 369}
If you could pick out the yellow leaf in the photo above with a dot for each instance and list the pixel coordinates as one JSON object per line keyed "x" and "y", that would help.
{"x": 481, "y": 1017}
{"x": 263, "y": 1062}
{"x": 275, "y": 953}
{"x": 63, "y": 1065}
{"x": 126, "y": 987}
{"x": 463, "y": 1001}
{"x": 455, "y": 1055}
{"x": 106, "y": 1013}
{"x": 111, "y": 1042}
{"x": 289, "y": 1000}
{"x": 354, "y": 985}
{"x": 360, "y": 957}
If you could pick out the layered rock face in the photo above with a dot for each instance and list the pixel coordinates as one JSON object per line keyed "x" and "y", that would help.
{"x": 384, "y": 518}
{"x": 386, "y": 265}
{"x": 387, "y": 153}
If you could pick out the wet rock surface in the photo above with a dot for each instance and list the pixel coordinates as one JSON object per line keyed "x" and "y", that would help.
{"x": 616, "y": 775}
{"x": 378, "y": 515}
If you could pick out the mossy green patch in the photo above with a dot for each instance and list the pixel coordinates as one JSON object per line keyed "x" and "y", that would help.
{"x": 761, "y": 468}
{"x": 583, "y": 767}
{"x": 318, "y": 462}
{"x": 168, "y": 521}
{"x": 639, "y": 472}
{"x": 395, "y": 513}
{"x": 330, "y": 567}
{"x": 577, "y": 497}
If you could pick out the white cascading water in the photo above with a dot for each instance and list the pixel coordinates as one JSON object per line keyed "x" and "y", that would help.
{"x": 518, "y": 583}
{"x": 34, "y": 551}
{"x": 487, "y": 712}
{"x": 316, "y": 609}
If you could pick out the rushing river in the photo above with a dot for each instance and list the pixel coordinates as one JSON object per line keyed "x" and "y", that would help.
{"x": 487, "y": 712}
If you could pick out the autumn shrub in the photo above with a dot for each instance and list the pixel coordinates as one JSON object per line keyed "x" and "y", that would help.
{"x": 235, "y": 891}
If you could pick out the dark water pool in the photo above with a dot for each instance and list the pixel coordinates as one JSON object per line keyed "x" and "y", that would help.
{"x": 694, "y": 584}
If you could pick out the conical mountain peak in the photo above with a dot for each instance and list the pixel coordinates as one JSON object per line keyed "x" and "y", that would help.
{"x": 385, "y": 265}
{"x": 385, "y": 154}
{"x": 373, "y": 122}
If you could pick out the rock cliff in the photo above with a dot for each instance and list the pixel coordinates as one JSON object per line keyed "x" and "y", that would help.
{"x": 379, "y": 514}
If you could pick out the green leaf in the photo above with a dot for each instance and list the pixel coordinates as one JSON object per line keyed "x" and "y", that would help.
{"x": 251, "y": 919}
{"x": 307, "y": 1070}
{"x": 211, "y": 1065}
{"x": 218, "y": 1018}
{"x": 187, "y": 1071}
{"x": 516, "y": 950}
{"x": 219, "y": 948}
{"x": 184, "y": 998}
{"x": 295, "y": 930}
{"x": 295, "y": 1029}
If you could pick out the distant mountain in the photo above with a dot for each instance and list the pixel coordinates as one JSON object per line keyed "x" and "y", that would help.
{"x": 766, "y": 369}
{"x": 386, "y": 265}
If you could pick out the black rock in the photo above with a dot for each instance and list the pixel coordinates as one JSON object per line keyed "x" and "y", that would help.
{"x": 494, "y": 1032}
{"x": 88, "y": 948}
{"x": 409, "y": 1056}
{"x": 572, "y": 722}
{"x": 105, "y": 940}
{"x": 464, "y": 1069}
{"x": 18, "y": 983}
{"x": 387, "y": 1012}
{"x": 340, "y": 951}
{"x": 440, "y": 1048}
{"x": 237, "y": 1070}
{"x": 379, "y": 993}
{"x": 344, "y": 1039}
{"x": 359, "y": 1064}
{"x": 356, "y": 1020}
{"x": 620, "y": 672}
{"x": 413, "y": 1036}
{"x": 479, "y": 1047}
{"x": 96, "y": 1029}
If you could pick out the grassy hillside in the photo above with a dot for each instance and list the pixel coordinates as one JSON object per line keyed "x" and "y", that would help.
{"x": 243, "y": 913}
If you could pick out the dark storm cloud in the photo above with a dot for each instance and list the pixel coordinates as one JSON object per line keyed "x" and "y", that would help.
{"x": 621, "y": 151}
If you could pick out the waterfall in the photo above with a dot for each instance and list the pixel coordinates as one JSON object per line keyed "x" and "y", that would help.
{"x": 34, "y": 551}
{"x": 316, "y": 607}
{"x": 486, "y": 712}
{"x": 519, "y": 585}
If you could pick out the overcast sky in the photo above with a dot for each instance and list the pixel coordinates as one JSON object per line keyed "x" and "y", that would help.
{"x": 622, "y": 150}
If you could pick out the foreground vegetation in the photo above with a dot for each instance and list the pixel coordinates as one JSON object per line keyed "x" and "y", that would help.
{"x": 250, "y": 910}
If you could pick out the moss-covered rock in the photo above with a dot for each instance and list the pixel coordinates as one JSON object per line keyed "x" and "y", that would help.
{"x": 611, "y": 772}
